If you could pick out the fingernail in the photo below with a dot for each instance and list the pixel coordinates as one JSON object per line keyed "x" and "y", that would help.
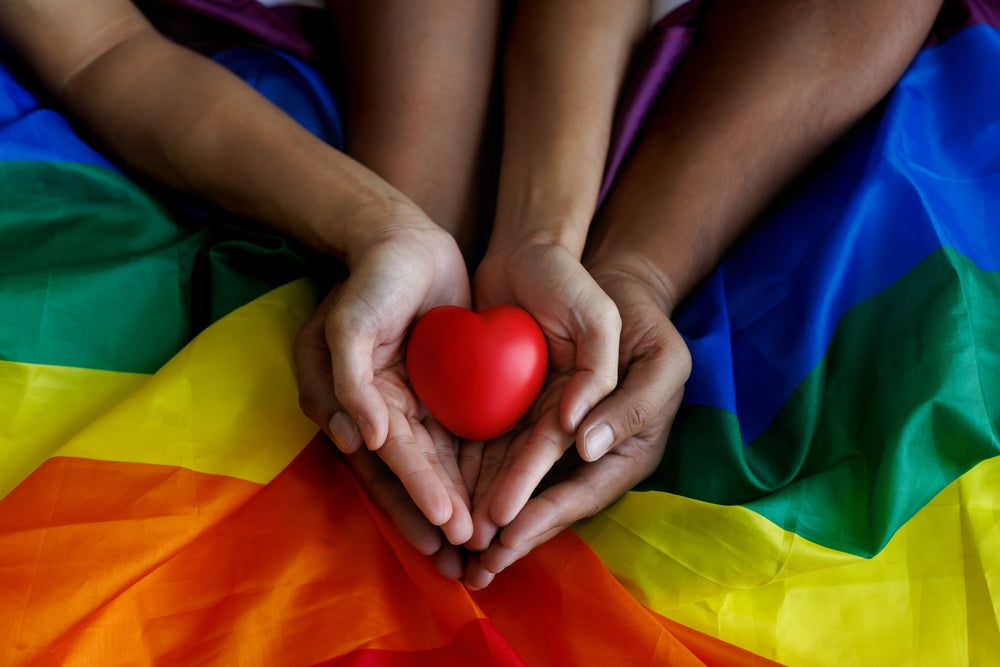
{"x": 342, "y": 430}
{"x": 597, "y": 441}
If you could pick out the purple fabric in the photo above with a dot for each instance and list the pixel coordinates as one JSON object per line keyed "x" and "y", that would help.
{"x": 259, "y": 22}
{"x": 958, "y": 14}
{"x": 670, "y": 38}
{"x": 668, "y": 41}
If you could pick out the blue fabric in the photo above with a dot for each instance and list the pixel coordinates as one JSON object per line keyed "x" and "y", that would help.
{"x": 921, "y": 173}
{"x": 31, "y": 132}
{"x": 290, "y": 84}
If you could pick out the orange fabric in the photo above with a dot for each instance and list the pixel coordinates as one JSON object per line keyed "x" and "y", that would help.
{"x": 564, "y": 604}
{"x": 712, "y": 651}
{"x": 108, "y": 561}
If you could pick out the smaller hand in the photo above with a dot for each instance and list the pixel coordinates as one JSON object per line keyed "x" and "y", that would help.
{"x": 580, "y": 321}
{"x": 582, "y": 327}
{"x": 655, "y": 363}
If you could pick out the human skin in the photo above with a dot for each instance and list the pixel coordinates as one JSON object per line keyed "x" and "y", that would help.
{"x": 565, "y": 65}
{"x": 181, "y": 119}
{"x": 419, "y": 80}
{"x": 764, "y": 91}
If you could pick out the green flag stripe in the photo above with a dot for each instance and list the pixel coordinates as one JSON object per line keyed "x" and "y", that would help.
{"x": 95, "y": 273}
{"x": 904, "y": 401}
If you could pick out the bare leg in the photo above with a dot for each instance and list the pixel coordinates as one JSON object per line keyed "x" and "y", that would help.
{"x": 419, "y": 77}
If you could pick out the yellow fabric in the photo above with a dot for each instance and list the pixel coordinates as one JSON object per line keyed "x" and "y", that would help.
{"x": 921, "y": 601}
{"x": 931, "y": 597}
{"x": 44, "y": 406}
{"x": 101, "y": 415}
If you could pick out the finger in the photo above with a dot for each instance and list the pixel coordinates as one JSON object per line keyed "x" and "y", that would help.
{"x": 315, "y": 381}
{"x": 492, "y": 460}
{"x": 649, "y": 386}
{"x": 597, "y": 335}
{"x": 387, "y": 492}
{"x": 449, "y": 561}
{"x": 351, "y": 331}
{"x": 450, "y": 451}
{"x": 410, "y": 462}
{"x": 476, "y": 576}
{"x": 521, "y": 475}
{"x": 470, "y": 462}
{"x": 439, "y": 448}
{"x": 594, "y": 487}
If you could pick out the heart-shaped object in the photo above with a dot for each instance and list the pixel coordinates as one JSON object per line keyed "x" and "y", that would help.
{"x": 477, "y": 373}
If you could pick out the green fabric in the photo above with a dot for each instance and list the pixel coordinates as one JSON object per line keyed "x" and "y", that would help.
{"x": 904, "y": 402}
{"x": 95, "y": 273}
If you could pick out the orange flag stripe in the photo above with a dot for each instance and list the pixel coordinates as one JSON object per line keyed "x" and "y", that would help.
{"x": 123, "y": 562}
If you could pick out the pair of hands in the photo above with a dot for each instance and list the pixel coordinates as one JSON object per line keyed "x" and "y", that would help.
{"x": 617, "y": 368}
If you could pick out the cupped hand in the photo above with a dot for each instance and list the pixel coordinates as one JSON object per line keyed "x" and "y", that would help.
{"x": 582, "y": 327}
{"x": 350, "y": 361}
{"x": 655, "y": 363}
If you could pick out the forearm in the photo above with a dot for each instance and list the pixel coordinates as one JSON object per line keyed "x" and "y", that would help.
{"x": 564, "y": 67}
{"x": 420, "y": 76}
{"x": 766, "y": 88}
{"x": 189, "y": 123}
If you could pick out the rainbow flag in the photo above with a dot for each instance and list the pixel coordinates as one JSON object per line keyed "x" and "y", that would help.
{"x": 830, "y": 494}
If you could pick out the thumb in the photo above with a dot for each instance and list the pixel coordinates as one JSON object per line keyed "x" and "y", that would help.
{"x": 597, "y": 337}
{"x": 351, "y": 334}
{"x": 644, "y": 396}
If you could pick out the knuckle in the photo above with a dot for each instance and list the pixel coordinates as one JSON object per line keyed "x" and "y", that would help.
{"x": 595, "y": 505}
{"x": 594, "y": 502}
{"x": 433, "y": 458}
{"x": 468, "y": 458}
{"x": 637, "y": 416}
{"x": 397, "y": 443}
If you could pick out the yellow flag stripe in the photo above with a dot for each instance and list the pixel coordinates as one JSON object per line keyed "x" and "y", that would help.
{"x": 226, "y": 404}
{"x": 45, "y": 406}
{"x": 932, "y": 596}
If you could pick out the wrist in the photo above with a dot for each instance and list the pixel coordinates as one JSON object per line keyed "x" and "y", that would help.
{"x": 527, "y": 226}
{"x": 614, "y": 266}
{"x": 349, "y": 228}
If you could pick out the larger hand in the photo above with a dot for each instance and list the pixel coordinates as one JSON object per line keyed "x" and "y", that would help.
{"x": 352, "y": 380}
{"x": 655, "y": 363}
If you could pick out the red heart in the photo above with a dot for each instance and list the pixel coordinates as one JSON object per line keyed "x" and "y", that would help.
{"x": 477, "y": 373}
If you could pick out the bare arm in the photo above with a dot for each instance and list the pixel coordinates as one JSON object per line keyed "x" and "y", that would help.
{"x": 565, "y": 63}
{"x": 420, "y": 76}
{"x": 766, "y": 88}
{"x": 187, "y": 122}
